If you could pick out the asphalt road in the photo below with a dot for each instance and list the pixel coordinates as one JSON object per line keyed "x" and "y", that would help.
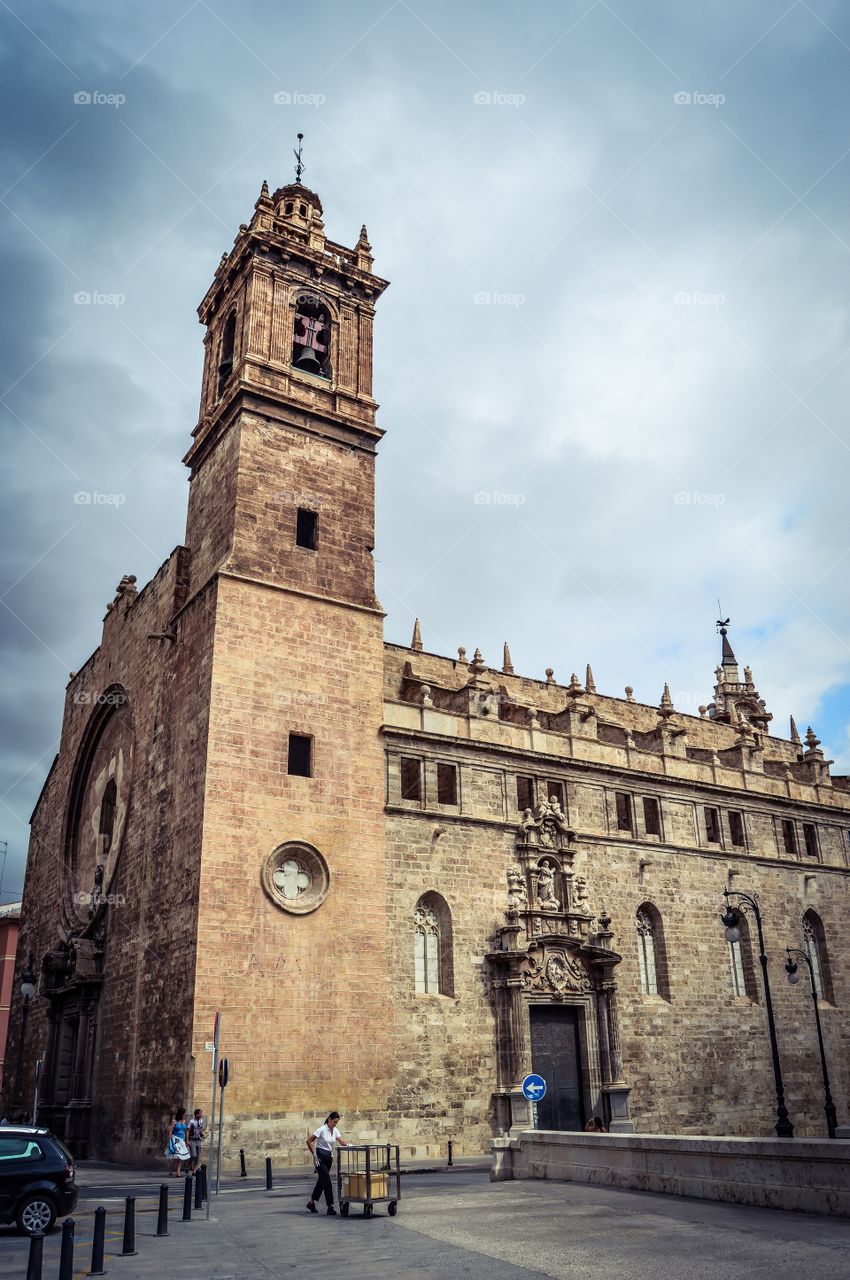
{"x": 452, "y": 1224}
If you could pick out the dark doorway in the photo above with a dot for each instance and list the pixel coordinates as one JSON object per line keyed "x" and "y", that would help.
{"x": 556, "y": 1056}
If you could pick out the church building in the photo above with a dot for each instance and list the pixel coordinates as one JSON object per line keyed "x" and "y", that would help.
{"x": 405, "y": 879}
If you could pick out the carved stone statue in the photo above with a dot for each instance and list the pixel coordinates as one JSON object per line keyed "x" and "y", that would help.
{"x": 546, "y": 888}
{"x": 517, "y": 894}
{"x": 580, "y": 895}
{"x": 547, "y": 826}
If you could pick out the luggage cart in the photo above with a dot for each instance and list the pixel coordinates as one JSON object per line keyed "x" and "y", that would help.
{"x": 368, "y": 1175}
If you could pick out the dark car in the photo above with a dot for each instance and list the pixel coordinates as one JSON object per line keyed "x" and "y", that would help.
{"x": 37, "y": 1178}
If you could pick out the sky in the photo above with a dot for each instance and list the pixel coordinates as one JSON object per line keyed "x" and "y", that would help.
{"x": 613, "y": 362}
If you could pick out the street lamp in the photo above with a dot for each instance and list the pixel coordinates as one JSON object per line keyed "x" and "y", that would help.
{"x": 27, "y": 990}
{"x": 731, "y": 918}
{"x": 792, "y": 970}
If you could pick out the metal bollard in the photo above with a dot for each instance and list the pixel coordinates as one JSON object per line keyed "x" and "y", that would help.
{"x": 187, "y": 1198}
{"x": 35, "y": 1256}
{"x": 128, "y": 1246}
{"x": 268, "y": 1173}
{"x": 98, "y": 1242}
{"x": 66, "y": 1257}
{"x": 243, "y": 1172}
{"x": 205, "y": 1193}
{"x": 450, "y": 1153}
{"x": 162, "y": 1215}
{"x": 389, "y": 1163}
{"x": 199, "y": 1190}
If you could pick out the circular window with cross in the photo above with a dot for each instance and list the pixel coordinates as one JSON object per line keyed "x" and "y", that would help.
{"x": 295, "y": 876}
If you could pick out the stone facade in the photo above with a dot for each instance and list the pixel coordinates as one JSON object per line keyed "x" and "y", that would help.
{"x": 405, "y": 880}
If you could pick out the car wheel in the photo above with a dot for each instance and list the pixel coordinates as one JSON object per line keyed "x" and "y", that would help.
{"x": 36, "y": 1212}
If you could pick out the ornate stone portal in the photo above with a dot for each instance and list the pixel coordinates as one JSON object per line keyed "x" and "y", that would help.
{"x": 549, "y": 952}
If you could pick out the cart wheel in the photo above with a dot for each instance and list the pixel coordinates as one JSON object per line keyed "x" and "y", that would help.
{"x": 367, "y": 1210}
{"x": 343, "y": 1208}
{"x": 392, "y": 1208}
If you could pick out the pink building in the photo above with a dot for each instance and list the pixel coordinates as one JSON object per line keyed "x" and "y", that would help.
{"x": 10, "y": 923}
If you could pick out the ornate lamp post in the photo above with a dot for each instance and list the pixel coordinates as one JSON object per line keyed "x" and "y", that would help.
{"x": 28, "y": 989}
{"x": 731, "y": 920}
{"x": 791, "y": 968}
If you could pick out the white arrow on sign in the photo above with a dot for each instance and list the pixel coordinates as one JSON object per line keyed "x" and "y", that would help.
{"x": 535, "y": 1089}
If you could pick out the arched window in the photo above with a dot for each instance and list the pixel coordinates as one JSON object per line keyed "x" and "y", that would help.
{"x": 106, "y": 826}
{"x": 741, "y": 963}
{"x": 311, "y": 338}
{"x": 651, "y": 954}
{"x": 815, "y": 940}
{"x": 228, "y": 342}
{"x": 432, "y": 946}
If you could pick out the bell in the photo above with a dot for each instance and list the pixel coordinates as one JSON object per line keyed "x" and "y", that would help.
{"x": 308, "y": 361}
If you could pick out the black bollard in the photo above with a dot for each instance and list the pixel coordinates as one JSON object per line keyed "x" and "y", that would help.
{"x": 187, "y": 1198}
{"x": 450, "y": 1152}
{"x": 204, "y": 1181}
{"x": 243, "y": 1172}
{"x": 66, "y": 1257}
{"x": 268, "y": 1173}
{"x": 98, "y": 1242}
{"x": 199, "y": 1190}
{"x": 389, "y": 1164}
{"x": 128, "y": 1248}
{"x": 35, "y": 1256}
{"x": 162, "y": 1215}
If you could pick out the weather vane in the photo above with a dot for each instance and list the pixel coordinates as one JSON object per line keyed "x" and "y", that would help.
{"x": 722, "y": 623}
{"x": 299, "y": 163}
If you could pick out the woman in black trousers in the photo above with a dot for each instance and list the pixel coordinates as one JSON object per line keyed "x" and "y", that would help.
{"x": 321, "y": 1145}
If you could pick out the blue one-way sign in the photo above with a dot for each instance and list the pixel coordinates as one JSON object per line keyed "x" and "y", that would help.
{"x": 534, "y": 1088}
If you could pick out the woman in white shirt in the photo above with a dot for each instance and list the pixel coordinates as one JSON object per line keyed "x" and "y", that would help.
{"x": 321, "y": 1144}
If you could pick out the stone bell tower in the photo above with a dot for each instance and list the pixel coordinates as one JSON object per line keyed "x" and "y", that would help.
{"x": 292, "y": 928}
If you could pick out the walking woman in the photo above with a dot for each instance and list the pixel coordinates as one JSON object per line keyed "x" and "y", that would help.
{"x": 321, "y": 1144}
{"x": 177, "y": 1151}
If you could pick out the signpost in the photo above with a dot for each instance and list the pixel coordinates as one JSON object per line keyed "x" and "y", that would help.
{"x": 216, "y": 1036}
{"x": 534, "y": 1088}
{"x": 223, "y": 1077}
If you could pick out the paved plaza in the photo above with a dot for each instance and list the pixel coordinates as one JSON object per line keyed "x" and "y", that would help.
{"x": 451, "y": 1223}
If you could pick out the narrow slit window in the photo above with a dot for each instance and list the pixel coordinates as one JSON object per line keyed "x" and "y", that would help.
{"x": 306, "y": 528}
{"x": 736, "y": 830}
{"x": 712, "y": 826}
{"x": 810, "y": 836}
{"x": 228, "y": 342}
{"x": 300, "y": 758}
{"x": 651, "y": 816}
{"x": 524, "y": 794}
{"x": 736, "y": 963}
{"x": 789, "y": 837}
{"x": 624, "y": 811}
{"x": 411, "y": 778}
{"x": 446, "y": 784}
